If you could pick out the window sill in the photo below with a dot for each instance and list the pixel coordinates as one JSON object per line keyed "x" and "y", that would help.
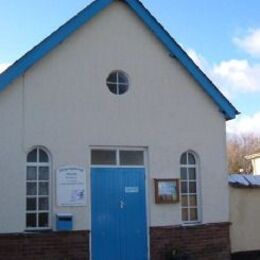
{"x": 192, "y": 224}
{"x": 33, "y": 231}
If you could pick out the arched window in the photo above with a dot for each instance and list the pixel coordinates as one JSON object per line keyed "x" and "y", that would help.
{"x": 38, "y": 189}
{"x": 189, "y": 188}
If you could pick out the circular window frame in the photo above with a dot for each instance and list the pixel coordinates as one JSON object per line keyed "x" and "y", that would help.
{"x": 116, "y": 86}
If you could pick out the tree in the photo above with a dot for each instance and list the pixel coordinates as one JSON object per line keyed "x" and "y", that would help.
{"x": 238, "y": 146}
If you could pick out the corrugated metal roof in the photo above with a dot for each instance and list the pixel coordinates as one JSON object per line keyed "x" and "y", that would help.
{"x": 244, "y": 180}
{"x": 253, "y": 179}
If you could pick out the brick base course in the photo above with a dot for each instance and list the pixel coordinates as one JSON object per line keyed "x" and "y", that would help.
{"x": 202, "y": 242}
{"x": 45, "y": 246}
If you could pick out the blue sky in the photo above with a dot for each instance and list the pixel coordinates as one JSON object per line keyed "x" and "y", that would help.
{"x": 222, "y": 36}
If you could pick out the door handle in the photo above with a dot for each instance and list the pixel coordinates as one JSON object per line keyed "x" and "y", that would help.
{"x": 122, "y": 204}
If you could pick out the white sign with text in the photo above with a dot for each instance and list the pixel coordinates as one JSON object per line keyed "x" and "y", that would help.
{"x": 71, "y": 186}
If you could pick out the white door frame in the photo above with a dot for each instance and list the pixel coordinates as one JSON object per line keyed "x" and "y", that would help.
{"x": 147, "y": 184}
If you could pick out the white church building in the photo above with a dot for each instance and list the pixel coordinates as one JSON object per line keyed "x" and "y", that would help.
{"x": 113, "y": 145}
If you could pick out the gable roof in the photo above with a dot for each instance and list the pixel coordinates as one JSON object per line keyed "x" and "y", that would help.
{"x": 39, "y": 51}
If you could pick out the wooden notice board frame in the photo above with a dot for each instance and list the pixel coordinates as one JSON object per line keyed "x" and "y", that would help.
{"x": 166, "y": 191}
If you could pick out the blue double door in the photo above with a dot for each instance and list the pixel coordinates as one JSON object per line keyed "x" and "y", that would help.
{"x": 119, "y": 228}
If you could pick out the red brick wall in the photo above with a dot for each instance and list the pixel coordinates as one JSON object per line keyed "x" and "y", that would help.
{"x": 47, "y": 246}
{"x": 203, "y": 242}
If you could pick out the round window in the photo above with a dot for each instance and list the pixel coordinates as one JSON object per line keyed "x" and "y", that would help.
{"x": 117, "y": 82}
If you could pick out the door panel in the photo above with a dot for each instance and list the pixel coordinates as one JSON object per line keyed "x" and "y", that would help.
{"x": 119, "y": 229}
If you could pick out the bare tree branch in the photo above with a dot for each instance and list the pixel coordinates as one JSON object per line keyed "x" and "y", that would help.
{"x": 238, "y": 146}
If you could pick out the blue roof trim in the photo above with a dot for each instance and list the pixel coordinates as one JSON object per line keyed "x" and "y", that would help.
{"x": 39, "y": 51}
{"x": 52, "y": 41}
{"x": 176, "y": 51}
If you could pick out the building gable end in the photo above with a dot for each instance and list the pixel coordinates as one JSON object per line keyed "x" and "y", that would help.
{"x": 175, "y": 51}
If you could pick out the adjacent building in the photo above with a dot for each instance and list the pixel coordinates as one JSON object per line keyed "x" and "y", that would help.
{"x": 255, "y": 160}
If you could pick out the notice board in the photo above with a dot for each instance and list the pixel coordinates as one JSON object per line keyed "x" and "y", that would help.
{"x": 71, "y": 186}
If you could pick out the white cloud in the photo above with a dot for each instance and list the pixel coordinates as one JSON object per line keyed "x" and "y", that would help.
{"x": 199, "y": 60}
{"x": 250, "y": 43}
{"x": 4, "y": 66}
{"x": 207, "y": 68}
{"x": 234, "y": 77}
{"x": 230, "y": 76}
{"x": 238, "y": 74}
{"x": 245, "y": 124}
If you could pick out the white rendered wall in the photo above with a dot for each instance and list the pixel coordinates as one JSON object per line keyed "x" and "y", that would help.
{"x": 244, "y": 216}
{"x": 62, "y": 103}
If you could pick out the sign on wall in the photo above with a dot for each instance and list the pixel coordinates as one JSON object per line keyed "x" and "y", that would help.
{"x": 166, "y": 190}
{"x": 71, "y": 186}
